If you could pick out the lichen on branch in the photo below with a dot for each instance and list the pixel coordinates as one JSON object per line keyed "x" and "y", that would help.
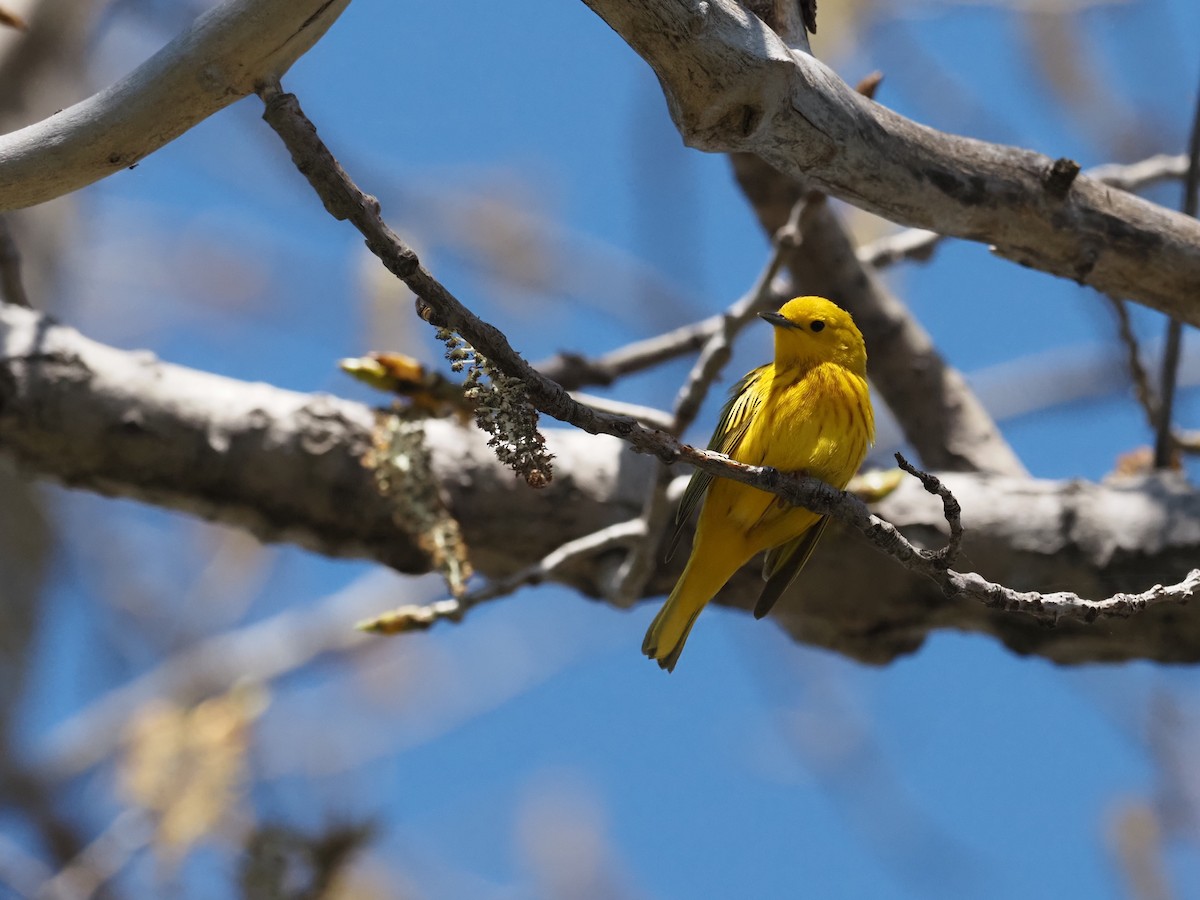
{"x": 503, "y": 410}
{"x": 403, "y": 468}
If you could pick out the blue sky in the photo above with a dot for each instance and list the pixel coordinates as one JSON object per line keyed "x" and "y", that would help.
{"x": 760, "y": 768}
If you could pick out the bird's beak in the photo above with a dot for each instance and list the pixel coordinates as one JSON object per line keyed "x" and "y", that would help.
{"x": 776, "y": 320}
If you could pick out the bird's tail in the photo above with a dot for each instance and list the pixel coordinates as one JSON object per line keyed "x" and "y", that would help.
{"x": 706, "y": 573}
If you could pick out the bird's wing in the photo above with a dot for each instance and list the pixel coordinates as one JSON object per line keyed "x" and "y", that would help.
{"x": 783, "y": 563}
{"x": 735, "y": 418}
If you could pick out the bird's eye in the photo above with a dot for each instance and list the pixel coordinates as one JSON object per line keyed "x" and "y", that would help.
{"x": 818, "y": 325}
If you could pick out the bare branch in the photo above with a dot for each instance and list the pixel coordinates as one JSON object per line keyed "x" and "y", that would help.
{"x": 1164, "y": 443}
{"x": 647, "y": 415}
{"x": 344, "y": 200}
{"x": 919, "y": 244}
{"x": 733, "y": 86}
{"x": 1050, "y": 608}
{"x": 1143, "y": 173}
{"x": 101, "y": 860}
{"x": 573, "y": 371}
{"x": 629, "y": 581}
{"x": 207, "y": 445}
{"x": 219, "y": 59}
{"x": 1133, "y": 361}
{"x": 719, "y": 346}
{"x": 950, "y": 508}
{"x": 1063, "y": 604}
{"x": 416, "y": 617}
{"x": 911, "y": 243}
{"x": 12, "y": 289}
{"x": 286, "y": 466}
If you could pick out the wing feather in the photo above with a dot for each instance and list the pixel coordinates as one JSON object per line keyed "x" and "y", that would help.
{"x": 783, "y": 563}
{"x": 736, "y": 416}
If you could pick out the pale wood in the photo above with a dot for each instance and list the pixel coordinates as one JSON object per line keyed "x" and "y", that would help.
{"x": 222, "y": 57}
{"x": 732, "y": 85}
{"x": 285, "y": 466}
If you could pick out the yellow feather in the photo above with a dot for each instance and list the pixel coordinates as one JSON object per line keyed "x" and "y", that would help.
{"x": 808, "y": 411}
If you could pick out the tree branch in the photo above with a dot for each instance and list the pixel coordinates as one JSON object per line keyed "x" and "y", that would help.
{"x": 12, "y": 288}
{"x": 733, "y": 86}
{"x": 285, "y": 466}
{"x": 123, "y": 423}
{"x": 216, "y": 61}
{"x": 344, "y": 200}
{"x": 573, "y": 371}
{"x": 919, "y": 244}
{"x": 1164, "y": 444}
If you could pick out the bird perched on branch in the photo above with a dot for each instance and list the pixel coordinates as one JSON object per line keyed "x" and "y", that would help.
{"x": 808, "y": 412}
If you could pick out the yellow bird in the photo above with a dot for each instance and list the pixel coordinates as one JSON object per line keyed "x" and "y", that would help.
{"x": 807, "y": 412}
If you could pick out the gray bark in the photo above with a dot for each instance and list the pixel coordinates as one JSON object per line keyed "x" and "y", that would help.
{"x": 286, "y": 466}
{"x": 732, "y": 85}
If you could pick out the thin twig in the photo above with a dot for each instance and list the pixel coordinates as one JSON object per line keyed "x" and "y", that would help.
{"x": 129, "y": 833}
{"x": 573, "y": 370}
{"x": 419, "y": 617}
{"x": 1170, "y": 369}
{"x": 641, "y": 559}
{"x": 1163, "y": 443}
{"x": 344, "y": 200}
{"x": 950, "y": 508}
{"x": 647, "y": 415}
{"x": 822, "y": 498}
{"x": 1143, "y": 173}
{"x": 12, "y": 288}
{"x": 719, "y": 346}
{"x": 911, "y": 243}
{"x": 1133, "y": 360}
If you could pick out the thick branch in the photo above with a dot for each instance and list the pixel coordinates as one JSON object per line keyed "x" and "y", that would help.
{"x": 219, "y": 59}
{"x": 573, "y": 371}
{"x": 733, "y": 86}
{"x": 280, "y": 464}
{"x": 285, "y": 466}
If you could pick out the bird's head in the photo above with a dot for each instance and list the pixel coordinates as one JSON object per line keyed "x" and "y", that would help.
{"x": 812, "y": 330}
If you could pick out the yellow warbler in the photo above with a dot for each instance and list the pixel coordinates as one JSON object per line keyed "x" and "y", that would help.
{"x": 807, "y": 412}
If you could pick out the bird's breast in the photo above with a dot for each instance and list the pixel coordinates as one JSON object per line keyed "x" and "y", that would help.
{"x": 818, "y": 421}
